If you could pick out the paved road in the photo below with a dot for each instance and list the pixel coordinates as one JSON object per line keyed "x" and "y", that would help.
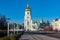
{"x": 28, "y": 36}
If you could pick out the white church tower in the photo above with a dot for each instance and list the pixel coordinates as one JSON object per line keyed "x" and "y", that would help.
{"x": 27, "y": 19}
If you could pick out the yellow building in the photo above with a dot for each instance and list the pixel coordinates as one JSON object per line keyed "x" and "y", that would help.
{"x": 56, "y": 24}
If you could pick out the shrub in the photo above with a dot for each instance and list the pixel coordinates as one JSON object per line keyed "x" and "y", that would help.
{"x": 1, "y": 38}
{"x": 6, "y": 38}
{"x": 12, "y": 37}
{"x": 18, "y": 35}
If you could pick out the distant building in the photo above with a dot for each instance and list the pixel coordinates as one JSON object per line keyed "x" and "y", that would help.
{"x": 41, "y": 25}
{"x": 14, "y": 25}
{"x": 44, "y": 26}
{"x": 35, "y": 25}
{"x": 47, "y": 27}
{"x": 56, "y": 24}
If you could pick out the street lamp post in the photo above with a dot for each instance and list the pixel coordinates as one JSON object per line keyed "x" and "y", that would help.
{"x": 17, "y": 29}
{"x": 14, "y": 28}
{"x": 8, "y": 29}
{"x": 8, "y": 26}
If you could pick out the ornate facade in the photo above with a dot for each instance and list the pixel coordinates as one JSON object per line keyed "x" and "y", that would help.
{"x": 27, "y": 19}
{"x": 28, "y": 24}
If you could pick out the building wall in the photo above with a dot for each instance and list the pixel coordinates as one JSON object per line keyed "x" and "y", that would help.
{"x": 56, "y": 25}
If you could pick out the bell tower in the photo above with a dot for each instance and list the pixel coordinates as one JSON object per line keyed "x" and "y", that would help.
{"x": 27, "y": 19}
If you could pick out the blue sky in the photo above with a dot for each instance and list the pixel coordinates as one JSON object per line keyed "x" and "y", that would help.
{"x": 15, "y": 9}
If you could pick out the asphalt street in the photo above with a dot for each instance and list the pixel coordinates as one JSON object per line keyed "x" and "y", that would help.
{"x": 28, "y": 36}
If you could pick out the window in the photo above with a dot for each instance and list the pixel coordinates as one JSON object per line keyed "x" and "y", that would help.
{"x": 27, "y": 12}
{"x": 28, "y": 23}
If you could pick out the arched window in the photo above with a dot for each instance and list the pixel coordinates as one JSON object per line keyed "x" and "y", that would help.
{"x": 28, "y": 23}
{"x": 28, "y": 13}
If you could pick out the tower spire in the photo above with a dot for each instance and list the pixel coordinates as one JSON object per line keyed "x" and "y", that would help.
{"x": 41, "y": 20}
{"x": 28, "y": 8}
{"x": 27, "y": 5}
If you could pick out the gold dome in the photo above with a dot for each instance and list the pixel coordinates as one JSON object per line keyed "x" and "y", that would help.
{"x": 41, "y": 20}
{"x": 28, "y": 8}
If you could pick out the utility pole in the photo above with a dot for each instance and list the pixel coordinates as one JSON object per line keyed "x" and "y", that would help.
{"x": 8, "y": 26}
